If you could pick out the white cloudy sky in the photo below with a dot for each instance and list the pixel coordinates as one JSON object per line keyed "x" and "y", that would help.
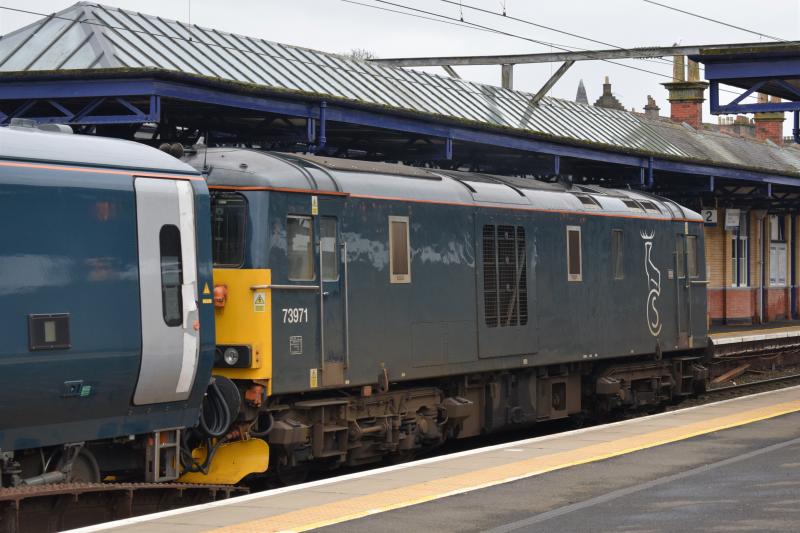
{"x": 338, "y": 26}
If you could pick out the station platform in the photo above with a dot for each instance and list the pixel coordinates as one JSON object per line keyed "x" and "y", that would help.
{"x": 730, "y": 465}
{"x": 761, "y": 338}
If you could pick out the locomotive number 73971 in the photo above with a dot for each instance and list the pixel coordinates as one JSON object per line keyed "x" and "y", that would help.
{"x": 295, "y": 315}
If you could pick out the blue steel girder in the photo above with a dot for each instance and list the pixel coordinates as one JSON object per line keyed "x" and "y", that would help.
{"x": 333, "y": 111}
{"x": 735, "y": 106}
{"x": 84, "y": 115}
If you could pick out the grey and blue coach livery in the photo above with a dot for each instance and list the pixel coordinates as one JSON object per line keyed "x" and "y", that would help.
{"x": 369, "y": 309}
{"x": 107, "y": 349}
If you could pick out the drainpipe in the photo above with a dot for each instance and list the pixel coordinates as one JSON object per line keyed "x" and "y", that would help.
{"x": 323, "y": 112}
{"x": 793, "y": 263}
{"x": 761, "y": 228}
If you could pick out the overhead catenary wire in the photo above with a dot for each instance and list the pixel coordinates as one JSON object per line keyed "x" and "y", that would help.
{"x": 563, "y": 48}
{"x": 715, "y": 21}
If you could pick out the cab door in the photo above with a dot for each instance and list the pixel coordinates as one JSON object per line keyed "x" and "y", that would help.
{"x": 689, "y": 290}
{"x": 331, "y": 257}
{"x": 168, "y": 290}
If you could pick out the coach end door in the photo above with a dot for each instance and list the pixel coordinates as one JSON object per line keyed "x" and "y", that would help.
{"x": 168, "y": 290}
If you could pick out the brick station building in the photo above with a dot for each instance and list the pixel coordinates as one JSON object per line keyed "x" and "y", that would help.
{"x": 750, "y": 237}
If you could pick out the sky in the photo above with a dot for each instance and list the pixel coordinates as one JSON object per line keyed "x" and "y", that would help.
{"x": 340, "y": 26}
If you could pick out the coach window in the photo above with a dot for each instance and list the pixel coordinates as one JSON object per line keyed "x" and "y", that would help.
{"x": 328, "y": 248}
{"x": 399, "y": 250}
{"x": 616, "y": 253}
{"x": 574, "y": 266}
{"x": 300, "y": 243}
{"x": 171, "y": 275}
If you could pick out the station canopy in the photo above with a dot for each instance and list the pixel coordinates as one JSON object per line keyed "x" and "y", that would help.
{"x": 97, "y": 65}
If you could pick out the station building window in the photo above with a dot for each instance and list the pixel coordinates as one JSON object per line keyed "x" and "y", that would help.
{"x": 505, "y": 278}
{"x": 777, "y": 252}
{"x": 574, "y": 264}
{"x": 300, "y": 247}
{"x": 399, "y": 250}
{"x": 616, "y": 253}
{"x": 740, "y": 253}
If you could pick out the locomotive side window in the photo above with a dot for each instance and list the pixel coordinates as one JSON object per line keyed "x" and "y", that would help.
{"x": 300, "y": 244}
{"x": 329, "y": 250}
{"x": 228, "y": 221}
{"x": 171, "y": 274}
{"x": 574, "y": 264}
{"x": 505, "y": 280}
{"x": 616, "y": 253}
{"x": 691, "y": 255}
{"x": 680, "y": 256}
{"x": 399, "y": 250}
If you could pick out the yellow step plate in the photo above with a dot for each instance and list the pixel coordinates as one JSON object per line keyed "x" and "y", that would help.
{"x": 232, "y": 462}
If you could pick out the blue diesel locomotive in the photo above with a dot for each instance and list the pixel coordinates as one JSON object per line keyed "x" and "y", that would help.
{"x": 358, "y": 311}
{"x": 107, "y": 348}
{"x": 367, "y": 310}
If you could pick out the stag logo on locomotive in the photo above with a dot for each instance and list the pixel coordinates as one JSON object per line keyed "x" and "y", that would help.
{"x": 653, "y": 283}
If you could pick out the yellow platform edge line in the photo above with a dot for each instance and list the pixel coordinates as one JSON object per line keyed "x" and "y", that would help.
{"x": 272, "y": 523}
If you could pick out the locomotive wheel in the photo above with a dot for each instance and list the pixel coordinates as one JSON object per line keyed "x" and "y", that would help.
{"x": 85, "y": 468}
{"x": 292, "y": 475}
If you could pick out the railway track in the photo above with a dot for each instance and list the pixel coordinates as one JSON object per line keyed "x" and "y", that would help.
{"x": 48, "y": 508}
{"x": 58, "y": 507}
{"x": 760, "y": 383}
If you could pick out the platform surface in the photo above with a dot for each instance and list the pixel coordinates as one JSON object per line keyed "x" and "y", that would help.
{"x": 729, "y": 466}
{"x": 762, "y": 332}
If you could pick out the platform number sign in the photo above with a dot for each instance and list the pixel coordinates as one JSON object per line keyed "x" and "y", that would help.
{"x": 709, "y": 217}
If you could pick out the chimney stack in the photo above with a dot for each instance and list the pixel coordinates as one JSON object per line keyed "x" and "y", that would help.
{"x": 651, "y": 109}
{"x": 607, "y": 99}
{"x": 769, "y": 125}
{"x": 686, "y": 97}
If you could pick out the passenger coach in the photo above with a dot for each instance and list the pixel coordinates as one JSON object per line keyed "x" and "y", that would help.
{"x": 107, "y": 349}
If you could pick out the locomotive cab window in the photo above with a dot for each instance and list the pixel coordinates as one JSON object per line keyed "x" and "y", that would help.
{"x": 171, "y": 275}
{"x": 616, "y": 253}
{"x": 300, "y": 245}
{"x": 574, "y": 265}
{"x": 228, "y": 221}
{"x": 399, "y": 250}
{"x": 328, "y": 248}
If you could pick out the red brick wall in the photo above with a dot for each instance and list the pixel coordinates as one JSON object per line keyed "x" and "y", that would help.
{"x": 740, "y": 305}
{"x": 688, "y": 112}
{"x": 772, "y": 130}
{"x": 715, "y": 311}
{"x": 777, "y": 304}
